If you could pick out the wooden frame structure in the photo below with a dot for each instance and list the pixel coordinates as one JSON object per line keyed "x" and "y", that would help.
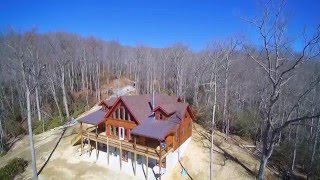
{"x": 148, "y": 125}
{"x": 135, "y": 148}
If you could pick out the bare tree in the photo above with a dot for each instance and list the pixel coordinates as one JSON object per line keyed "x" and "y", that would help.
{"x": 279, "y": 64}
{"x": 25, "y": 66}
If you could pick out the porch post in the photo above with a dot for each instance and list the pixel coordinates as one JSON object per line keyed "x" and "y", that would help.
{"x": 81, "y": 137}
{"x": 97, "y": 142}
{"x": 89, "y": 143}
{"x": 135, "y": 155}
{"x": 108, "y": 149}
{"x": 120, "y": 157}
{"x": 160, "y": 162}
{"x": 147, "y": 164}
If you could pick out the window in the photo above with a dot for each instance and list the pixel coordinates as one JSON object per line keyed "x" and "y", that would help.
{"x": 190, "y": 125}
{"x": 125, "y": 133}
{"x": 121, "y": 113}
{"x": 182, "y": 131}
{"x": 117, "y": 113}
{"x": 161, "y": 116}
{"x": 176, "y": 136}
{"x": 126, "y": 114}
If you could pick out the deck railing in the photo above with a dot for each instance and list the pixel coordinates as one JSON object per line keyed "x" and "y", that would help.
{"x": 128, "y": 146}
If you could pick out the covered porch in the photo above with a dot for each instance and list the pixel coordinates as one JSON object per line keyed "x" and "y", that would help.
{"x": 139, "y": 151}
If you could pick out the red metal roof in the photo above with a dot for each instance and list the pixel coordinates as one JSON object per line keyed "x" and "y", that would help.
{"x": 157, "y": 129}
{"x": 139, "y": 107}
{"x": 93, "y": 118}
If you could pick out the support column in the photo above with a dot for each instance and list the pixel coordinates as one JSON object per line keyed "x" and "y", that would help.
{"x": 81, "y": 137}
{"x": 120, "y": 157}
{"x": 108, "y": 149}
{"x": 160, "y": 162}
{"x": 147, "y": 164}
{"x": 97, "y": 153}
{"x": 107, "y": 129}
{"x": 135, "y": 155}
{"x": 89, "y": 143}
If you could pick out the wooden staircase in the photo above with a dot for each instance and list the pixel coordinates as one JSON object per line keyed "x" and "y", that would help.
{"x": 76, "y": 139}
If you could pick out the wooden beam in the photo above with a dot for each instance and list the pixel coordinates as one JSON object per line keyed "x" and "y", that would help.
{"x": 108, "y": 149}
{"x": 81, "y": 138}
{"x": 89, "y": 144}
{"x": 120, "y": 157}
{"x": 97, "y": 153}
{"x": 147, "y": 165}
{"x": 135, "y": 155}
{"x": 160, "y": 162}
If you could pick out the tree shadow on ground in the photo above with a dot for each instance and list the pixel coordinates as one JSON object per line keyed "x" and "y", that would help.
{"x": 55, "y": 147}
{"x": 205, "y": 139}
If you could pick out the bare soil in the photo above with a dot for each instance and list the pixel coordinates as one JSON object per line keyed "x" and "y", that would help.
{"x": 230, "y": 160}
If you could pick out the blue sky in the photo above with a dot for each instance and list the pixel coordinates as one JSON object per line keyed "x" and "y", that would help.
{"x": 153, "y": 23}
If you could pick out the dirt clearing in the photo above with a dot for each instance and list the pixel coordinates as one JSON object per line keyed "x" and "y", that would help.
{"x": 65, "y": 163}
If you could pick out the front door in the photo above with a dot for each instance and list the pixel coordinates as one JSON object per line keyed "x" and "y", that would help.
{"x": 121, "y": 133}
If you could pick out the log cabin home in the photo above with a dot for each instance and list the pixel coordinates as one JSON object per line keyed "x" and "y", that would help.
{"x": 139, "y": 132}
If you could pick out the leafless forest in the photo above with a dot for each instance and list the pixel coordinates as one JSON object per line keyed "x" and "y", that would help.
{"x": 266, "y": 92}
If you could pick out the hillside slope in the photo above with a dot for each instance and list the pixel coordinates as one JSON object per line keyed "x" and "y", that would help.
{"x": 65, "y": 161}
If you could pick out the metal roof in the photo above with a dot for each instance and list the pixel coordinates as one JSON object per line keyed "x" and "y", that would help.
{"x": 157, "y": 128}
{"x": 93, "y": 118}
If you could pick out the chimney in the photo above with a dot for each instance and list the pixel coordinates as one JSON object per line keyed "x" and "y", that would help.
{"x": 153, "y": 103}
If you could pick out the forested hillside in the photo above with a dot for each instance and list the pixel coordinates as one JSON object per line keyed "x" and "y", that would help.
{"x": 267, "y": 92}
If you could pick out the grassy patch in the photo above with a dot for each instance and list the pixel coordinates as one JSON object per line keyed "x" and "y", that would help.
{"x": 14, "y": 167}
{"x": 50, "y": 124}
{"x": 3, "y": 153}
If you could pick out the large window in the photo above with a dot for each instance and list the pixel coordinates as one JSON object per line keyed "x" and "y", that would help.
{"x": 121, "y": 113}
{"x": 126, "y": 114}
{"x": 117, "y": 113}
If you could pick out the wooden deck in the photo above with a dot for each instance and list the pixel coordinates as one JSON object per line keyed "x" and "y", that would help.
{"x": 92, "y": 134}
{"x": 128, "y": 146}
